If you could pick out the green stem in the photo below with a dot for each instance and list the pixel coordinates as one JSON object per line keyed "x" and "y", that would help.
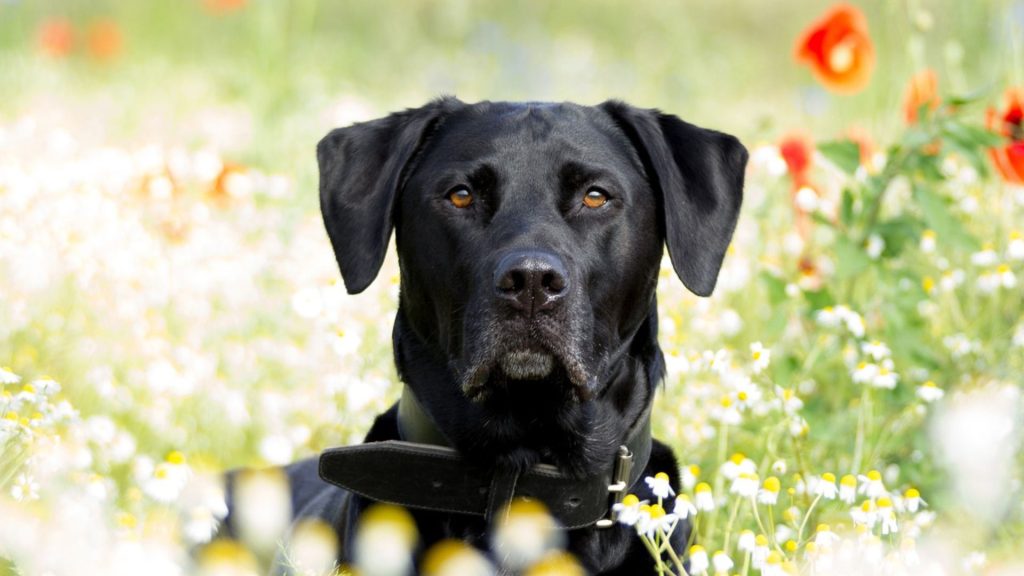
{"x": 723, "y": 448}
{"x": 677, "y": 561}
{"x": 800, "y": 532}
{"x": 728, "y": 527}
{"x": 858, "y": 450}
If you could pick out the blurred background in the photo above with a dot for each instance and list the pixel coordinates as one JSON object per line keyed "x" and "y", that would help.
{"x": 170, "y": 306}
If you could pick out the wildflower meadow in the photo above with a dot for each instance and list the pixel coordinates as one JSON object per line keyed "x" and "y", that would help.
{"x": 848, "y": 401}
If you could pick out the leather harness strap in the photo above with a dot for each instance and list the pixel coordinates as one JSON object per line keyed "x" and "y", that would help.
{"x": 428, "y": 476}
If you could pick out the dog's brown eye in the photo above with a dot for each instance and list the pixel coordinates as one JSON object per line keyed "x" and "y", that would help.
{"x": 460, "y": 197}
{"x": 595, "y": 198}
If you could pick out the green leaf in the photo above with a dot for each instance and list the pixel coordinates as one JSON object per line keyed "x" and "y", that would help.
{"x": 898, "y": 232}
{"x": 818, "y": 299}
{"x": 970, "y": 97}
{"x": 970, "y": 135}
{"x": 939, "y": 218}
{"x": 850, "y": 258}
{"x": 843, "y": 153}
{"x": 846, "y": 208}
{"x": 776, "y": 287}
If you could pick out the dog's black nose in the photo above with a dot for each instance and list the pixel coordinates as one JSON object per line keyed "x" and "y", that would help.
{"x": 531, "y": 281}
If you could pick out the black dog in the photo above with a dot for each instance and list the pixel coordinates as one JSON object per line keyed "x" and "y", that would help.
{"x": 529, "y": 239}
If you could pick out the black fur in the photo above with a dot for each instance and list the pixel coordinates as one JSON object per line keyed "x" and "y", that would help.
{"x": 528, "y": 167}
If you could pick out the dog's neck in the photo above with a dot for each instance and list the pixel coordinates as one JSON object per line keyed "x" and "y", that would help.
{"x": 576, "y": 437}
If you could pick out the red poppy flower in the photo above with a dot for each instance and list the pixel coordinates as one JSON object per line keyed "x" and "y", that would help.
{"x": 798, "y": 151}
{"x": 922, "y": 90}
{"x": 838, "y": 49}
{"x": 56, "y": 37}
{"x": 1009, "y": 159}
{"x": 105, "y": 39}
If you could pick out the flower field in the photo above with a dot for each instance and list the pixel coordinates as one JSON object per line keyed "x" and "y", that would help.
{"x": 849, "y": 401}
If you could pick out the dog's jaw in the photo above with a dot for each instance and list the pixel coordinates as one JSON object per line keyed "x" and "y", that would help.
{"x": 527, "y": 364}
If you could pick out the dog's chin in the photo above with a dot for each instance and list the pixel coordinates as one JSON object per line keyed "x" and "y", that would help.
{"x": 527, "y": 365}
{"x": 527, "y": 373}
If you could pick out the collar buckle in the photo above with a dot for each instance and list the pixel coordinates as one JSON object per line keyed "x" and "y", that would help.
{"x": 620, "y": 483}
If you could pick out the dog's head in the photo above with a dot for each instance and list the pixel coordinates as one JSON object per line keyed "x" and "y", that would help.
{"x": 530, "y": 235}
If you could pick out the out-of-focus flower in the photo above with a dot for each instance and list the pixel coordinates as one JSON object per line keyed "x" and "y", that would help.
{"x": 825, "y": 486}
{"x": 698, "y": 559}
{"x": 312, "y": 547}
{"x": 25, "y": 488}
{"x": 912, "y": 500}
{"x": 986, "y": 256}
{"x": 1015, "y": 247}
{"x": 525, "y": 535}
{"x": 769, "y": 493}
{"x": 746, "y": 542}
{"x": 223, "y": 6}
{"x": 224, "y": 556}
{"x": 885, "y": 378}
{"x": 1009, "y": 122}
{"x": 824, "y": 537}
{"x": 455, "y": 558}
{"x": 761, "y": 356}
{"x": 848, "y": 488}
{"x": 797, "y": 149}
{"x": 876, "y": 349}
{"x": 922, "y": 90}
{"x": 746, "y": 485}
{"x": 930, "y": 392}
{"x": 384, "y": 541}
{"x": 168, "y": 479}
{"x": 56, "y": 37}
{"x": 870, "y": 159}
{"x": 684, "y": 507}
{"x": 838, "y": 49}
{"x": 738, "y": 464}
{"x": 232, "y": 182}
{"x": 928, "y": 241}
{"x": 865, "y": 514}
{"x": 703, "y": 498}
{"x": 263, "y": 508}
{"x": 875, "y": 246}
{"x": 760, "y": 553}
{"x": 555, "y": 564}
{"x": 887, "y": 516}
{"x": 689, "y": 475}
{"x": 104, "y": 39}
{"x": 872, "y": 485}
{"x": 8, "y": 377}
{"x": 721, "y": 562}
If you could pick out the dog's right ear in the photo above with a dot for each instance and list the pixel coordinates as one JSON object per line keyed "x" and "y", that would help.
{"x": 361, "y": 169}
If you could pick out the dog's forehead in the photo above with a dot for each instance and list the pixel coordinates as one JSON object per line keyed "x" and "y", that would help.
{"x": 527, "y": 132}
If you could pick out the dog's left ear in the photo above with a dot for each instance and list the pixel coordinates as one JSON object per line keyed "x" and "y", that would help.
{"x": 699, "y": 174}
{"x": 361, "y": 170}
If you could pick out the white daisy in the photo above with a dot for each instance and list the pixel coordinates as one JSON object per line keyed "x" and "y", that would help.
{"x": 703, "y": 498}
{"x": 8, "y": 377}
{"x": 721, "y": 562}
{"x": 825, "y": 486}
{"x": 930, "y": 392}
{"x": 659, "y": 484}
{"x": 698, "y": 559}
{"x": 761, "y": 357}
{"x": 684, "y": 507}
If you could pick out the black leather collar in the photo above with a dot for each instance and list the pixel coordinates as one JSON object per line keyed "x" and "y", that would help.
{"x": 427, "y": 474}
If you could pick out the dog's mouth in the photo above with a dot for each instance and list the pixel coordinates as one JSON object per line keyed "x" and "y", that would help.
{"x": 512, "y": 371}
{"x": 527, "y": 365}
